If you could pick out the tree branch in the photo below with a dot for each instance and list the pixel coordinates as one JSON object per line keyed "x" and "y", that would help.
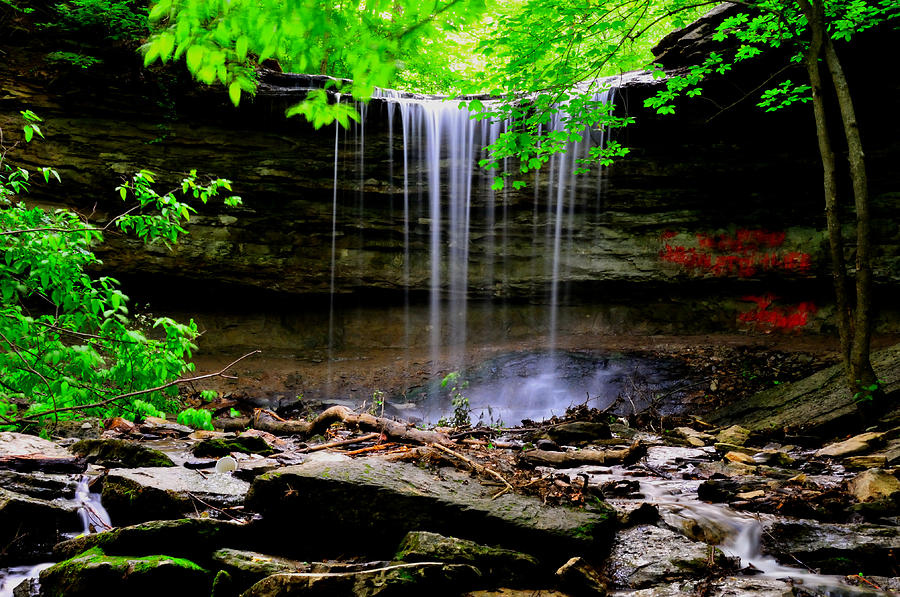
{"x": 220, "y": 373}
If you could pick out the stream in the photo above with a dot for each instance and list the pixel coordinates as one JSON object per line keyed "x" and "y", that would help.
{"x": 94, "y": 518}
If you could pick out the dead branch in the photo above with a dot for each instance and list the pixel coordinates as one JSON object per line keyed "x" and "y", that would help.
{"x": 479, "y": 468}
{"x": 628, "y": 455}
{"x": 375, "y": 448}
{"x": 344, "y": 442}
{"x": 393, "y": 430}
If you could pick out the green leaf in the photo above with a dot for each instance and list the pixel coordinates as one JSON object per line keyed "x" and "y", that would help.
{"x": 234, "y": 92}
{"x": 241, "y": 47}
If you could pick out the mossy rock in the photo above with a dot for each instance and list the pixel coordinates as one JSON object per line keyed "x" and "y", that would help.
{"x": 193, "y": 538}
{"x": 387, "y": 500}
{"x": 421, "y": 578}
{"x": 133, "y": 496}
{"x": 30, "y": 525}
{"x": 94, "y": 573}
{"x": 502, "y": 566}
{"x": 115, "y": 453}
{"x": 216, "y": 447}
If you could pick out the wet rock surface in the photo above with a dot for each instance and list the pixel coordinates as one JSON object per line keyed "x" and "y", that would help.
{"x": 119, "y": 453}
{"x": 647, "y": 555}
{"x": 389, "y": 499}
{"x": 365, "y": 514}
{"x": 141, "y": 494}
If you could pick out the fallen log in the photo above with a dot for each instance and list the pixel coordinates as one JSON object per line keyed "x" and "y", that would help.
{"x": 628, "y": 455}
{"x": 392, "y": 430}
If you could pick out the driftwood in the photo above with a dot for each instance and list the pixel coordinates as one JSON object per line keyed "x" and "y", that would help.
{"x": 392, "y": 430}
{"x": 343, "y": 442}
{"x": 29, "y": 463}
{"x": 628, "y": 455}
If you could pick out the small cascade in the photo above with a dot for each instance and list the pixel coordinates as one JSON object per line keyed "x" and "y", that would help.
{"x": 94, "y": 517}
{"x": 736, "y": 534}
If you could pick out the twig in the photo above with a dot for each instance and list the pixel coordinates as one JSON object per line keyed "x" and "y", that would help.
{"x": 370, "y": 449}
{"x": 220, "y": 373}
{"x": 477, "y": 467}
{"x": 345, "y": 442}
{"x": 211, "y": 507}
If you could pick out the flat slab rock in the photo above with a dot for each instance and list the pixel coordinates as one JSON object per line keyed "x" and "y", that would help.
{"x": 156, "y": 493}
{"x": 431, "y": 578}
{"x": 818, "y": 402}
{"x": 836, "y": 548}
{"x": 376, "y": 498}
{"x": 23, "y": 452}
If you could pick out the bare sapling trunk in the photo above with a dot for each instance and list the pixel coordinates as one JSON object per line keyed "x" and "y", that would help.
{"x": 829, "y": 171}
{"x": 860, "y": 362}
{"x": 854, "y": 323}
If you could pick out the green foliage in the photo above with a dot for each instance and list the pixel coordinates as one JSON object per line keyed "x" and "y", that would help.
{"x": 867, "y": 393}
{"x": 68, "y": 346}
{"x": 377, "y": 408}
{"x": 79, "y": 60}
{"x": 112, "y": 20}
{"x": 367, "y": 42}
{"x": 461, "y": 410}
{"x": 141, "y": 409}
{"x": 196, "y": 418}
{"x": 208, "y": 394}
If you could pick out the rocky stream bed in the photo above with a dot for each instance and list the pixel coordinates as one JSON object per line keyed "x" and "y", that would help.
{"x": 350, "y": 503}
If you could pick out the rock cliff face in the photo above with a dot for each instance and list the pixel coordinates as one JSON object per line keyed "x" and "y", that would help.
{"x": 664, "y": 223}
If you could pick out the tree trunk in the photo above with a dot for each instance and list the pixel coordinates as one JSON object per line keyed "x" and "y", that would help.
{"x": 835, "y": 239}
{"x": 860, "y": 362}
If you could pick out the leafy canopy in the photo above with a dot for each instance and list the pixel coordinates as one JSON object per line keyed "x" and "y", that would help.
{"x": 222, "y": 41}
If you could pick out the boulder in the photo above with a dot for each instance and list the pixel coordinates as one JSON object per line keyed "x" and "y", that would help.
{"x": 245, "y": 568}
{"x": 386, "y": 500}
{"x": 646, "y": 555}
{"x": 580, "y": 578}
{"x": 192, "y": 538}
{"x": 431, "y": 578}
{"x": 578, "y": 433}
{"x": 220, "y": 446}
{"x": 857, "y": 444}
{"x": 93, "y": 573}
{"x": 152, "y": 493}
{"x": 29, "y": 525}
{"x": 740, "y": 458}
{"x": 873, "y": 484}
{"x": 114, "y": 453}
{"x": 500, "y": 566}
{"x": 698, "y": 439}
{"x": 735, "y": 434}
{"x": 835, "y": 548}
{"x": 46, "y": 486}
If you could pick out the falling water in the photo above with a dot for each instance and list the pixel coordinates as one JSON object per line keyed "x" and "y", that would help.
{"x": 94, "y": 517}
{"x": 457, "y": 214}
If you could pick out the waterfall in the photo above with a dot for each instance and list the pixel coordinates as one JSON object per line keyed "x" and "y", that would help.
{"x": 450, "y": 210}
